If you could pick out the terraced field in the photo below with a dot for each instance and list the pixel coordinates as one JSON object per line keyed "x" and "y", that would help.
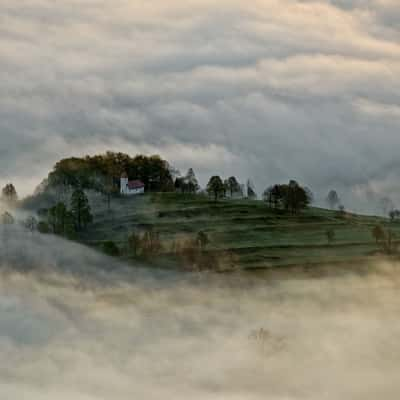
{"x": 257, "y": 236}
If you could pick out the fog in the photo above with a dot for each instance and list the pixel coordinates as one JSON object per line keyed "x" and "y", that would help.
{"x": 77, "y": 325}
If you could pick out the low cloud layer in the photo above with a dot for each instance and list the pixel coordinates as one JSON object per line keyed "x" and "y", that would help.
{"x": 77, "y": 325}
{"x": 271, "y": 89}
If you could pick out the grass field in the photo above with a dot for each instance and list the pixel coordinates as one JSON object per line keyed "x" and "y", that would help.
{"x": 257, "y": 236}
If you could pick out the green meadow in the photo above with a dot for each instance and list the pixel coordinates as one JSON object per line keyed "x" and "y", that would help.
{"x": 254, "y": 235}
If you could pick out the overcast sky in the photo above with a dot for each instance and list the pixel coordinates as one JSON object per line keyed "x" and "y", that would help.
{"x": 271, "y": 89}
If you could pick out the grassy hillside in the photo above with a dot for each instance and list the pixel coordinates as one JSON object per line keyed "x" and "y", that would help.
{"x": 257, "y": 236}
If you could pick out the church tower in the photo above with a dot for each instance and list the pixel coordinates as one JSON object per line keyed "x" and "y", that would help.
{"x": 124, "y": 183}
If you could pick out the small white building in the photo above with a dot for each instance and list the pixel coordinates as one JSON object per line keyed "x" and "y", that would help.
{"x": 131, "y": 188}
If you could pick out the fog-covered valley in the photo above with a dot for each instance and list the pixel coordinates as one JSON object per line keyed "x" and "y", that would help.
{"x": 77, "y": 325}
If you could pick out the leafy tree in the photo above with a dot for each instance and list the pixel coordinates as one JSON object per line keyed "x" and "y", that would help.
{"x": 60, "y": 220}
{"x": 70, "y": 173}
{"x": 233, "y": 186}
{"x": 292, "y": 197}
{"x": 80, "y": 209}
{"x": 108, "y": 186}
{"x": 179, "y": 184}
{"x": 215, "y": 187}
{"x": 333, "y": 199}
{"x": 98, "y": 171}
{"x": 274, "y": 196}
{"x": 191, "y": 181}
{"x": 378, "y": 233}
{"x": 187, "y": 183}
{"x": 9, "y": 194}
{"x": 295, "y": 197}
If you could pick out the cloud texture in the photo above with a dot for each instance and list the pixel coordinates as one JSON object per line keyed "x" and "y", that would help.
{"x": 271, "y": 89}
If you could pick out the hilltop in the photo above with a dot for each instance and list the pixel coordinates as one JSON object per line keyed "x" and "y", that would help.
{"x": 176, "y": 225}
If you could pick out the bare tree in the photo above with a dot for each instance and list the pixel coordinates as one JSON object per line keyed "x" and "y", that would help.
{"x": 333, "y": 199}
{"x": 387, "y": 206}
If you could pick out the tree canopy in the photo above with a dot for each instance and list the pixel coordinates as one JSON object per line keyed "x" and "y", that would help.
{"x": 290, "y": 197}
{"x": 9, "y": 194}
{"x": 102, "y": 172}
{"x": 187, "y": 183}
{"x": 332, "y": 199}
{"x": 215, "y": 187}
{"x": 80, "y": 209}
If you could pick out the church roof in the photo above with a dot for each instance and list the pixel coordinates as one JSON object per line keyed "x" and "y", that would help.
{"x": 135, "y": 184}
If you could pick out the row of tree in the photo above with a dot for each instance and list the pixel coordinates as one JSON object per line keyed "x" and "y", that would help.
{"x": 216, "y": 186}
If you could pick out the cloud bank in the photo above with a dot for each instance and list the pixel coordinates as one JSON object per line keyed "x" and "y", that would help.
{"x": 77, "y": 325}
{"x": 272, "y": 90}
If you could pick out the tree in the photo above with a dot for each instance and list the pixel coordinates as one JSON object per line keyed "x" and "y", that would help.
{"x": 60, "y": 220}
{"x": 180, "y": 184}
{"x": 330, "y": 235}
{"x": 333, "y": 199}
{"x": 151, "y": 243}
{"x": 291, "y": 197}
{"x": 215, "y": 187}
{"x": 389, "y": 244}
{"x": 108, "y": 188}
{"x": 134, "y": 242}
{"x": 72, "y": 173}
{"x": 393, "y": 214}
{"x": 378, "y": 233}
{"x": 7, "y": 219}
{"x": 233, "y": 186}
{"x": 226, "y": 187}
{"x": 295, "y": 197}
{"x": 80, "y": 209}
{"x": 342, "y": 211}
{"x": 273, "y": 196}
{"x": 387, "y": 206}
{"x": 202, "y": 240}
{"x": 9, "y": 194}
{"x": 251, "y": 191}
{"x": 31, "y": 224}
{"x": 191, "y": 182}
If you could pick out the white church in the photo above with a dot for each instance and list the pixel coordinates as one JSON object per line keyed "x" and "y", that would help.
{"x": 131, "y": 188}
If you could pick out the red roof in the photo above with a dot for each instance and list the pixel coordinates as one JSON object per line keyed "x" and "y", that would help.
{"x": 135, "y": 184}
